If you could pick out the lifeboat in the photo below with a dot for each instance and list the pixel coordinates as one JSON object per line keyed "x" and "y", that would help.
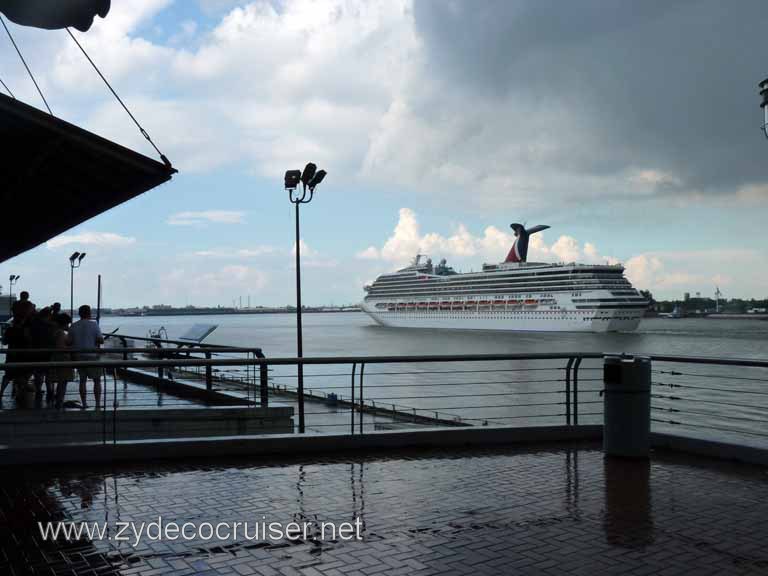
{"x": 531, "y": 302}
{"x": 434, "y": 305}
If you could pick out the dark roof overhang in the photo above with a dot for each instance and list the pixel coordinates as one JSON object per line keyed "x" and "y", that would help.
{"x": 56, "y": 175}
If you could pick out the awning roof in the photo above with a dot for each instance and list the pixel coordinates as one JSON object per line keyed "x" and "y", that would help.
{"x": 55, "y": 176}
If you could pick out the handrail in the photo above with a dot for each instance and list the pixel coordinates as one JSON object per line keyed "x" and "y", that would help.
{"x": 321, "y": 360}
{"x": 317, "y": 360}
{"x": 121, "y": 350}
{"x": 709, "y": 360}
{"x": 166, "y": 340}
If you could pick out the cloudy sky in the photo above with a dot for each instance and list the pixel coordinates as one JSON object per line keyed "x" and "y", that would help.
{"x": 632, "y": 128}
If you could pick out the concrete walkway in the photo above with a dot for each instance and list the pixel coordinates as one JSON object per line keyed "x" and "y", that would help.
{"x": 552, "y": 509}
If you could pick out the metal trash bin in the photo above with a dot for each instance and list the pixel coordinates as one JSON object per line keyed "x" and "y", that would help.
{"x": 627, "y": 406}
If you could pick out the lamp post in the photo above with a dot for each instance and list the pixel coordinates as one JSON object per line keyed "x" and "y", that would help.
{"x": 12, "y": 279}
{"x": 764, "y": 105}
{"x": 308, "y": 179}
{"x": 74, "y": 262}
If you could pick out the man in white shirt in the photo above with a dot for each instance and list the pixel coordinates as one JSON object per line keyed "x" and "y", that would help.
{"x": 85, "y": 333}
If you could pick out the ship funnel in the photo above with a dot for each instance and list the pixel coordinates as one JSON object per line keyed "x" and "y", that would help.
{"x": 519, "y": 250}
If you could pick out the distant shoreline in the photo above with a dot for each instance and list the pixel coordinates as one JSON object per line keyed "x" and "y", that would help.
{"x": 226, "y": 312}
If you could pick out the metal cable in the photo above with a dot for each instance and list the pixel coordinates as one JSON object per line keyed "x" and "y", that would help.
{"x": 734, "y": 390}
{"x": 719, "y": 376}
{"x": 735, "y": 431}
{"x": 7, "y": 89}
{"x": 708, "y": 401}
{"x": 740, "y": 418}
{"x": 7, "y": 31}
{"x": 143, "y": 132}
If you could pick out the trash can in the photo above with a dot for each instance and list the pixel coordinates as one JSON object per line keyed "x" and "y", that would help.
{"x": 627, "y": 406}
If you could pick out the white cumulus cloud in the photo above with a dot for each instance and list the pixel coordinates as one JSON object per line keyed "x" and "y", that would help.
{"x": 206, "y": 217}
{"x": 90, "y": 239}
{"x": 407, "y": 240}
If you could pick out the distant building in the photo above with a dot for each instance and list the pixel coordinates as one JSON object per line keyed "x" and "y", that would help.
{"x": 687, "y": 296}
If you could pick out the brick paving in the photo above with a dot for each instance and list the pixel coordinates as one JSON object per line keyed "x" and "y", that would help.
{"x": 544, "y": 510}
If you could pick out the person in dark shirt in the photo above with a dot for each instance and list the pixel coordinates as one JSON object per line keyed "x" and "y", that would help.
{"x": 42, "y": 331}
{"x": 22, "y": 308}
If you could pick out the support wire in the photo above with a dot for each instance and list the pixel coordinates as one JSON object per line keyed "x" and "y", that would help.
{"x": 141, "y": 129}
{"x": 10, "y": 36}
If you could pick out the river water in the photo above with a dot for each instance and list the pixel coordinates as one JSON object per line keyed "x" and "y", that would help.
{"x": 716, "y": 402}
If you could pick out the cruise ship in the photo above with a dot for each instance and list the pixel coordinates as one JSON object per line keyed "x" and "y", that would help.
{"x": 514, "y": 295}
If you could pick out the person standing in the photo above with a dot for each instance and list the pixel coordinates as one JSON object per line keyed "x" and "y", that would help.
{"x": 60, "y": 376}
{"x": 86, "y": 334}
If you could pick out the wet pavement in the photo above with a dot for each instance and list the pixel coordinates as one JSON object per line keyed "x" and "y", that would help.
{"x": 539, "y": 510}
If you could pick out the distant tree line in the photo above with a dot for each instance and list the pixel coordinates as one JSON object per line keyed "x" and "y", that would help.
{"x": 699, "y": 304}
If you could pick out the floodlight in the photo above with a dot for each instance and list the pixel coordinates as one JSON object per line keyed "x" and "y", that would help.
{"x": 308, "y": 174}
{"x": 81, "y": 257}
{"x": 292, "y": 179}
{"x": 74, "y": 257}
{"x": 317, "y": 179}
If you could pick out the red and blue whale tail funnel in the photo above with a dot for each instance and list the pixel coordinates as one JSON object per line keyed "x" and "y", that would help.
{"x": 519, "y": 250}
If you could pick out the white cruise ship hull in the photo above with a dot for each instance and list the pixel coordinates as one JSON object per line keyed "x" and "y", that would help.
{"x": 526, "y": 297}
{"x": 518, "y": 320}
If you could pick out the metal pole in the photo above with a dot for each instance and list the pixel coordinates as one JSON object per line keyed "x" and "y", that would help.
{"x": 72, "y": 291}
{"x": 576, "y": 392}
{"x": 568, "y": 391}
{"x": 352, "y": 400}
{"x": 98, "y": 301}
{"x": 362, "y": 369}
{"x": 299, "y": 350}
{"x": 208, "y": 374}
{"x": 263, "y": 379}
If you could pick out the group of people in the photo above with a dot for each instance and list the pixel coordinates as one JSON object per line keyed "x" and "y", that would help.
{"x": 49, "y": 335}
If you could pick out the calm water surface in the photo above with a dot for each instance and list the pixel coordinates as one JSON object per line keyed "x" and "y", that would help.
{"x": 350, "y": 334}
{"x": 725, "y": 403}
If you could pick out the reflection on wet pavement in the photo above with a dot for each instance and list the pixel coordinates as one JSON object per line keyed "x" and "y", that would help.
{"x": 544, "y": 510}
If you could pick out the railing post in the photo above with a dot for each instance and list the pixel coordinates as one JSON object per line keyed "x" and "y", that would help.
{"x": 568, "y": 391}
{"x": 263, "y": 379}
{"x": 576, "y": 391}
{"x": 208, "y": 374}
{"x": 352, "y": 403}
{"x": 124, "y": 342}
{"x": 362, "y": 369}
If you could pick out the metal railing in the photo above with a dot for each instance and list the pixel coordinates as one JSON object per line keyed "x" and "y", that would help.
{"x": 360, "y": 394}
{"x": 715, "y": 398}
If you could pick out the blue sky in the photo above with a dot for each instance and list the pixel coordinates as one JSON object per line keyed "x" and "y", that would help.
{"x": 439, "y": 124}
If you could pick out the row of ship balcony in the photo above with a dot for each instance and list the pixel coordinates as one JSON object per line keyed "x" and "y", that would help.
{"x": 495, "y": 304}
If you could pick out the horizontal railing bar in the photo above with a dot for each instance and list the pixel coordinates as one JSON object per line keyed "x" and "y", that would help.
{"x": 306, "y": 360}
{"x": 707, "y": 360}
{"x": 415, "y": 372}
{"x": 321, "y": 388}
{"x": 453, "y": 396}
{"x": 191, "y": 343}
{"x": 489, "y": 418}
{"x": 433, "y": 408}
{"x": 105, "y": 350}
